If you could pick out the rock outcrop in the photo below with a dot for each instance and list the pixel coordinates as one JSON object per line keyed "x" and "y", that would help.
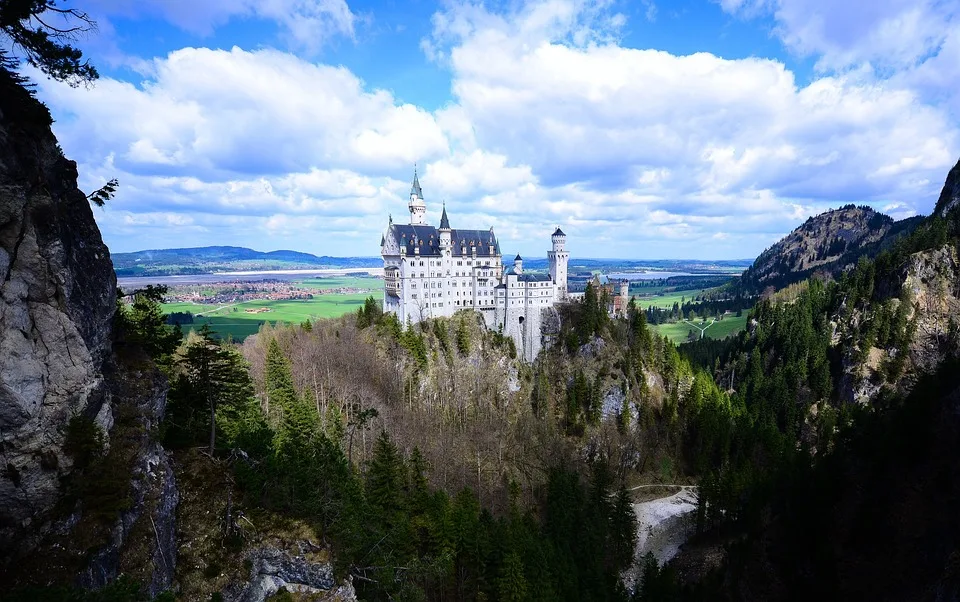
{"x": 64, "y": 520}
{"x": 273, "y": 569}
{"x": 57, "y": 299}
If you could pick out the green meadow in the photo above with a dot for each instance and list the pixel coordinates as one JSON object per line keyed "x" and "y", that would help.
{"x": 326, "y": 283}
{"x": 666, "y": 300}
{"x": 677, "y": 332}
{"x": 233, "y": 320}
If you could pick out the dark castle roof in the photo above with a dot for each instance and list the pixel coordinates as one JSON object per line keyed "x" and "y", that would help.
{"x": 559, "y": 232}
{"x": 533, "y": 277}
{"x": 427, "y": 238}
{"x": 518, "y": 258}
{"x": 444, "y": 220}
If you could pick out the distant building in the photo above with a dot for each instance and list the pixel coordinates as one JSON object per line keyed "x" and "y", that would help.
{"x": 618, "y": 294}
{"x": 431, "y": 272}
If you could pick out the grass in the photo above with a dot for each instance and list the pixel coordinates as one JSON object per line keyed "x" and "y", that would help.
{"x": 233, "y": 320}
{"x": 667, "y": 300}
{"x": 373, "y": 284}
{"x": 677, "y": 331}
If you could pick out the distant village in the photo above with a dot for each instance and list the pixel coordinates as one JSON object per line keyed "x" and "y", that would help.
{"x": 238, "y": 292}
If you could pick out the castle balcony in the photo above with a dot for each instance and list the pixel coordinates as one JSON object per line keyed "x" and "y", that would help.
{"x": 391, "y": 281}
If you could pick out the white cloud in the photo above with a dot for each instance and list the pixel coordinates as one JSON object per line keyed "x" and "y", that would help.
{"x": 606, "y": 115}
{"x": 636, "y": 153}
{"x": 889, "y": 34}
{"x": 235, "y": 111}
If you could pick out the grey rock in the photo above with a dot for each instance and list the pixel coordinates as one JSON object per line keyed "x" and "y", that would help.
{"x": 57, "y": 299}
{"x": 273, "y": 569}
{"x": 57, "y": 303}
{"x": 613, "y": 402}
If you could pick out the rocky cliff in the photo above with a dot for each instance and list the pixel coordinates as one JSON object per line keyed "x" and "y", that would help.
{"x": 57, "y": 299}
{"x": 63, "y": 519}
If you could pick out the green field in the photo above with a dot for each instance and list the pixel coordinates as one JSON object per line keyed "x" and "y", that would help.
{"x": 677, "y": 332}
{"x": 667, "y": 300}
{"x": 233, "y": 320}
{"x": 343, "y": 281}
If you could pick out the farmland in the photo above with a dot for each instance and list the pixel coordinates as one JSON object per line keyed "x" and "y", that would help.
{"x": 667, "y": 300}
{"x": 678, "y": 331}
{"x": 235, "y": 321}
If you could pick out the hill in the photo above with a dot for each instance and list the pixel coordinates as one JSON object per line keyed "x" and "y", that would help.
{"x": 201, "y": 260}
{"x": 829, "y": 243}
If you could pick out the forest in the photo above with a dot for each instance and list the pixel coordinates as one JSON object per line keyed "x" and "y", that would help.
{"x": 437, "y": 466}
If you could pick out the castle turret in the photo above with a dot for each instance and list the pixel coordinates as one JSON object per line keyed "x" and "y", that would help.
{"x": 518, "y": 265}
{"x": 418, "y": 209}
{"x": 558, "y": 261}
{"x": 444, "y": 231}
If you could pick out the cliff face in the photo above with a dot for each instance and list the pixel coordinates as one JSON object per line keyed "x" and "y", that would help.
{"x": 57, "y": 299}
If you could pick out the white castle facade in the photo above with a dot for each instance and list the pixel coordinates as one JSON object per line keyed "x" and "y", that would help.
{"x": 432, "y": 272}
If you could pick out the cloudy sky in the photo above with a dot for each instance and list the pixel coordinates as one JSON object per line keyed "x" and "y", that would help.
{"x": 644, "y": 128}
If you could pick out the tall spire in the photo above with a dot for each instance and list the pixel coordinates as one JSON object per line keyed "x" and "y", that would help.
{"x": 415, "y": 189}
{"x": 444, "y": 221}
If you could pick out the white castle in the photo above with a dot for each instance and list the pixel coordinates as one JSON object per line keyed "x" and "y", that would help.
{"x": 431, "y": 272}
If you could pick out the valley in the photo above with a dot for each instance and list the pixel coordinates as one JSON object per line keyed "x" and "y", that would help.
{"x": 448, "y": 421}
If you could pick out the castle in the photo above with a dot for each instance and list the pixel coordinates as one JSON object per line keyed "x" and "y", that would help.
{"x": 431, "y": 272}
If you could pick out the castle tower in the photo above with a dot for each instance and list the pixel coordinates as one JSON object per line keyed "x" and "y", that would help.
{"x": 625, "y": 290}
{"x": 518, "y": 265}
{"x": 444, "y": 231}
{"x": 558, "y": 261}
{"x": 418, "y": 209}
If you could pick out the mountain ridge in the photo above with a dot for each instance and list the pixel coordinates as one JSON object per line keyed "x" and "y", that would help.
{"x": 829, "y": 243}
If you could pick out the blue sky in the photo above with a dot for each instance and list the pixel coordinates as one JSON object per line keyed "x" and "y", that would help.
{"x": 644, "y": 128}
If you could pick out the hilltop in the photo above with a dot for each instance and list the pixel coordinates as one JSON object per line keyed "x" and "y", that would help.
{"x": 204, "y": 260}
{"x": 829, "y": 243}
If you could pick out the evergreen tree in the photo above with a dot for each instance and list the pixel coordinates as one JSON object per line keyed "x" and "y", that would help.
{"x": 511, "y": 583}
{"x": 217, "y": 376}
{"x": 28, "y": 25}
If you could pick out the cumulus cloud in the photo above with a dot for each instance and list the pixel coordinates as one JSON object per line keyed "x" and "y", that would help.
{"x": 552, "y": 121}
{"x": 888, "y": 34}
{"x": 608, "y": 116}
{"x": 213, "y": 111}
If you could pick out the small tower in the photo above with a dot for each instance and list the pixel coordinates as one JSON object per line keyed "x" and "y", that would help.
{"x": 518, "y": 265}
{"x": 558, "y": 261}
{"x": 418, "y": 209}
{"x": 444, "y": 230}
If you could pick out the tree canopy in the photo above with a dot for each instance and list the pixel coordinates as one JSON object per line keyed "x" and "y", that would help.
{"x": 40, "y": 31}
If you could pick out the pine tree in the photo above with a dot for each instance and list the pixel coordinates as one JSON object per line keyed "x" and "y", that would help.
{"x": 511, "y": 583}
{"x": 217, "y": 376}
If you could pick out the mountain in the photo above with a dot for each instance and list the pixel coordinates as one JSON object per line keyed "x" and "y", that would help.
{"x": 829, "y": 243}
{"x": 839, "y": 484}
{"x": 201, "y": 260}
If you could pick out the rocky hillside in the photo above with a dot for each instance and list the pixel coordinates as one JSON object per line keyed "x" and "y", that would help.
{"x": 57, "y": 300}
{"x": 828, "y": 243}
{"x": 81, "y": 476}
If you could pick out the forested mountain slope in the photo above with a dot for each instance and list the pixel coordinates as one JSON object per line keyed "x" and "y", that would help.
{"x": 822, "y": 381}
{"x": 828, "y": 244}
